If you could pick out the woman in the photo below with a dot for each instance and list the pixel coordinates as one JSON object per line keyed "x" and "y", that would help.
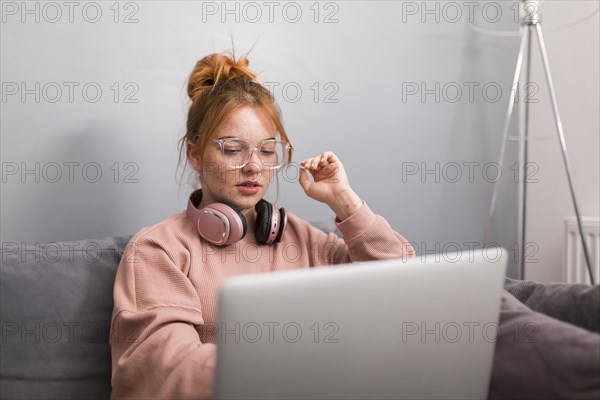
{"x": 167, "y": 282}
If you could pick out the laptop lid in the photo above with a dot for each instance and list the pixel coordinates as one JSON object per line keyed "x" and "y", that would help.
{"x": 404, "y": 328}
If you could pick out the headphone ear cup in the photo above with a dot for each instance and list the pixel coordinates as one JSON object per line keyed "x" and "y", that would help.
{"x": 282, "y": 225}
{"x": 218, "y": 223}
{"x": 242, "y": 218}
{"x": 221, "y": 224}
{"x": 262, "y": 225}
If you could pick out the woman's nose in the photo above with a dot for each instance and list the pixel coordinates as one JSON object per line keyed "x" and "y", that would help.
{"x": 254, "y": 162}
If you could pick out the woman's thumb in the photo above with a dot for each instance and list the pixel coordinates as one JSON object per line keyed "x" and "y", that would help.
{"x": 304, "y": 180}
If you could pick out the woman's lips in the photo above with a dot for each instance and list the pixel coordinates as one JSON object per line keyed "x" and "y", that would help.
{"x": 249, "y": 187}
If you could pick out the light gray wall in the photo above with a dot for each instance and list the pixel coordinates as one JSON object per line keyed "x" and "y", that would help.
{"x": 366, "y": 60}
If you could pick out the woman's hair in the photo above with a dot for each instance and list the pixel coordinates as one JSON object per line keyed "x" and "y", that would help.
{"x": 218, "y": 85}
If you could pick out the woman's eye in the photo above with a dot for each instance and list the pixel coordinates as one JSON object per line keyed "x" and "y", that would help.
{"x": 231, "y": 151}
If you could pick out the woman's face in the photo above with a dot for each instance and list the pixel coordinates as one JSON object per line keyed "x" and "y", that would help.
{"x": 223, "y": 184}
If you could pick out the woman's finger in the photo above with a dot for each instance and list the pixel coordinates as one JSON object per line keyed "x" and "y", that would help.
{"x": 317, "y": 160}
{"x": 323, "y": 160}
{"x": 331, "y": 157}
{"x": 308, "y": 163}
{"x": 314, "y": 164}
{"x": 304, "y": 180}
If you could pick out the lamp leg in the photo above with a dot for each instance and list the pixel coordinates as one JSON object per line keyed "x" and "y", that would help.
{"x": 511, "y": 102}
{"x": 523, "y": 161}
{"x": 563, "y": 146}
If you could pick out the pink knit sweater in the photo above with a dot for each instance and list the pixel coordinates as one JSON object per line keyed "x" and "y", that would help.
{"x": 166, "y": 291}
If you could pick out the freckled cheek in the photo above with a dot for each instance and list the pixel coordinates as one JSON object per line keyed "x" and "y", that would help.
{"x": 268, "y": 177}
{"x": 215, "y": 172}
{"x": 222, "y": 177}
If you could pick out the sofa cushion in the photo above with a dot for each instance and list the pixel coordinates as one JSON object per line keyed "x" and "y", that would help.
{"x": 575, "y": 303}
{"x": 56, "y": 304}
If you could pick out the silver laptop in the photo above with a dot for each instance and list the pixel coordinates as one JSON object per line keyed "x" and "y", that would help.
{"x": 419, "y": 328}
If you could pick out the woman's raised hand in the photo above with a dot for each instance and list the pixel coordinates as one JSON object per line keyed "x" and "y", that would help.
{"x": 330, "y": 184}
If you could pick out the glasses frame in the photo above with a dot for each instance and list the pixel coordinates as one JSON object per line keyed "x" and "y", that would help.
{"x": 221, "y": 143}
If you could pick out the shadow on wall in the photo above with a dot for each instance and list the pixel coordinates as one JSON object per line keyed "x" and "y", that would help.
{"x": 87, "y": 186}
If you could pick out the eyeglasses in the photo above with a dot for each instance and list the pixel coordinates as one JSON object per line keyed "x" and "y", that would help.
{"x": 237, "y": 152}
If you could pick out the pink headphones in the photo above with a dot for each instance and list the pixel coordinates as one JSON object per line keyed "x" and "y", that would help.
{"x": 224, "y": 224}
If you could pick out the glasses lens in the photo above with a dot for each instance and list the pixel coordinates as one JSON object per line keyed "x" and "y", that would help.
{"x": 235, "y": 152}
{"x": 273, "y": 153}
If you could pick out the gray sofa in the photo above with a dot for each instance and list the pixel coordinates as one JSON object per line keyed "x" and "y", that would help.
{"x": 56, "y": 305}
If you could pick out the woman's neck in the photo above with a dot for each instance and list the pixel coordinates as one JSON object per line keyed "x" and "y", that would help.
{"x": 250, "y": 215}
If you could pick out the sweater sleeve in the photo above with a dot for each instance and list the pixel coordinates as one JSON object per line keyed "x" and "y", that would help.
{"x": 155, "y": 342}
{"x": 366, "y": 236}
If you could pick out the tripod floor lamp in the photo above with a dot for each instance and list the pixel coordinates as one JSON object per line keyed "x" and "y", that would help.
{"x": 532, "y": 26}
